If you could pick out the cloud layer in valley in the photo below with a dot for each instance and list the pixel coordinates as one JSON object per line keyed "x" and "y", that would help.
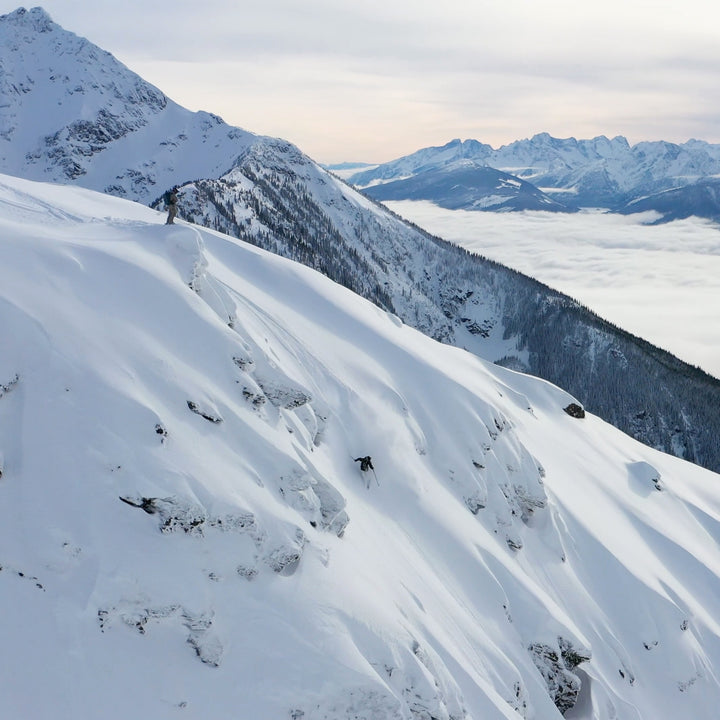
{"x": 660, "y": 282}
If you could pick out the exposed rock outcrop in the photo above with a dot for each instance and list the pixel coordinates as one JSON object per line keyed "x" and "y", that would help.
{"x": 556, "y": 665}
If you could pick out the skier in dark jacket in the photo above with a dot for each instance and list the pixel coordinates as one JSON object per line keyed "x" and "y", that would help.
{"x": 172, "y": 203}
{"x": 365, "y": 463}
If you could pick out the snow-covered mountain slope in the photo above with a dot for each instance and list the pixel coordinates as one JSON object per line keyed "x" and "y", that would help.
{"x": 468, "y": 185}
{"x": 72, "y": 113}
{"x": 599, "y": 172}
{"x": 701, "y": 199}
{"x": 267, "y": 192}
{"x": 285, "y": 203}
{"x": 184, "y": 533}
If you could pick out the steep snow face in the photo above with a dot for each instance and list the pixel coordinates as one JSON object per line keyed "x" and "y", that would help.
{"x": 72, "y": 113}
{"x": 183, "y": 528}
{"x": 277, "y": 198}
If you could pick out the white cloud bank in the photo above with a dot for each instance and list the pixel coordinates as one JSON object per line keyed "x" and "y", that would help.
{"x": 661, "y": 282}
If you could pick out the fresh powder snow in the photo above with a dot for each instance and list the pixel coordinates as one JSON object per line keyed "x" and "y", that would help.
{"x": 184, "y": 532}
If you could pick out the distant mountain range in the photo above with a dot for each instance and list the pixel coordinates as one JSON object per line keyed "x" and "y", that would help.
{"x": 74, "y": 114}
{"x": 572, "y": 173}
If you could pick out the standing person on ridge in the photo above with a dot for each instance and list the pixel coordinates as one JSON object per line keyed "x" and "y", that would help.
{"x": 172, "y": 203}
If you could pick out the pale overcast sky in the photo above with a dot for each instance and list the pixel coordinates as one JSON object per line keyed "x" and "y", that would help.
{"x": 377, "y": 79}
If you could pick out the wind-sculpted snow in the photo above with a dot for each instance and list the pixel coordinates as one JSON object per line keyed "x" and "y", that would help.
{"x": 508, "y": 559}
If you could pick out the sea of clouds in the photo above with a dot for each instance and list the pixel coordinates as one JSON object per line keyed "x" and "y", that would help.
{"x": 660, "y": 282}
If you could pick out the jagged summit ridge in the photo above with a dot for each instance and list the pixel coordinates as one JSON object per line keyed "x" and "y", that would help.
{"x": 73, "y": 113}
{"x": 593, "y": 172}
{"x": 36, "y": 19}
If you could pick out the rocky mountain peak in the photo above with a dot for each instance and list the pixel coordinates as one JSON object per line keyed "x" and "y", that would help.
{"x": 35, "y": 19}
{"x": 67, "y": 102}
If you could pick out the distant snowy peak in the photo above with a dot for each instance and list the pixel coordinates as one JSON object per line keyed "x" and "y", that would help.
{"x": 72, "y": 112}
{"x": 430, "y": 158}
{"x": 702, "y": 199}
{"x": 458, "y": 175}
{"x": 596, "y": 172}
{"x": 542, "y": 152}
{"x": 545, "y": 156}
{"x": 594, "y": 148}
{"x": 464, "y": 184}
